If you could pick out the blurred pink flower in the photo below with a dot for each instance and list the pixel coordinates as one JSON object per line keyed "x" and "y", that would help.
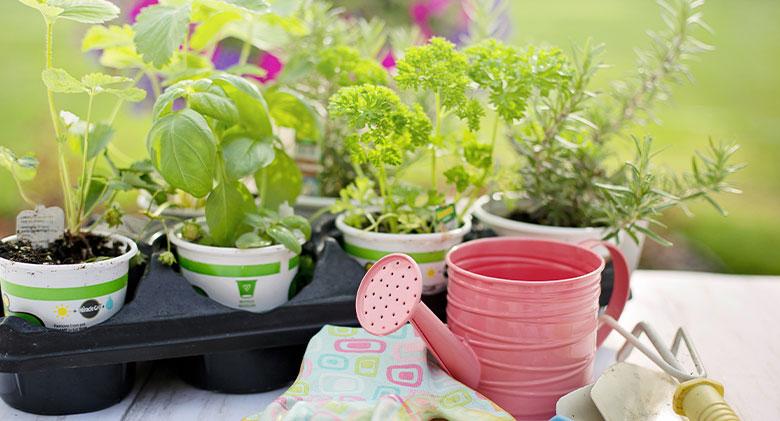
{"x": 389, "y": 61}
{"x": 271, "y": 64}
{"x": 138, "y": 5}
{"x": 422, "y": 11}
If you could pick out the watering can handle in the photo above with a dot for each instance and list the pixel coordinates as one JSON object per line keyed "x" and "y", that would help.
{"x": 620, "y": 287}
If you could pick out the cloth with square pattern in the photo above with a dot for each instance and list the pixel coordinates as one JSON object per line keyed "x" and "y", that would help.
{"x": 350, "y": 374}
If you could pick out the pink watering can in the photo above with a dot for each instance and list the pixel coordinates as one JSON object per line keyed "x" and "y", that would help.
{"x": 523, "y": 316}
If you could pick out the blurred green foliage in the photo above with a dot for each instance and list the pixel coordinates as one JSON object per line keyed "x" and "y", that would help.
{"x": 734, "y": 98}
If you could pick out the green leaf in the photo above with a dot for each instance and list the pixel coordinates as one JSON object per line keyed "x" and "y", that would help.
{"x": 98, "y": 192}
{"x": 61, "y": 82}
{"x": 255, "y": 6}
{"x": 102, "y": 80}
{"x": 716, "y": 205}
{"x": 164, "y": 102}
{"x": 130, "y": 94}
{"x": 650, "y": 233}
{"x": 86, "y": 11}
{"x": 260, "y": 222}
{"x": 291, "y": 110}
{"x": 103, "y": 37}
{"x": 206, "y": 33}
{"x": 214, "y": 103}
{"x": 99, "y": 83}
{"x": 285, "y": 237}
{"x": 299, "y": 223}
{"x": 49, "y": 12}
{"x": 159, "y": 31}
{"x": 225, "y": 210}
{"x": 279, "y": 182}
{"x": 251, "y": 240}
{"x": 122, "y": 58}
{"x": 183, "y": 149}
{"x": 244, "y": 155}
{"x": 99, "y": 138}
{"x": 23, "y": 168}
{"x": 252, "y": 108}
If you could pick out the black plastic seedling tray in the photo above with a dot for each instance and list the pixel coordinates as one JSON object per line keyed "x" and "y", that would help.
{"x": 213, "y": 347}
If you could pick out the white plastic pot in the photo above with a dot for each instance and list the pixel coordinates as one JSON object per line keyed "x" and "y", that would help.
{"x": 428, "y": 250}
{"x": 492, "y": 212}
{"x": 66, "y": 297}
{"x": 255, "y": 280}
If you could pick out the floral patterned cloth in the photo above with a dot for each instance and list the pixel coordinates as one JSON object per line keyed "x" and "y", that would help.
{"x": 349, "y": 374}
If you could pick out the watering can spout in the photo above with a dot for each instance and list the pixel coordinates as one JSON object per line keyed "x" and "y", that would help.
{"x": 453, "y": 354}
{"x": 389, "y": 296}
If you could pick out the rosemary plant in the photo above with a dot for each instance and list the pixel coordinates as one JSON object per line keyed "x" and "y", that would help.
{"x": 564, "y": 140}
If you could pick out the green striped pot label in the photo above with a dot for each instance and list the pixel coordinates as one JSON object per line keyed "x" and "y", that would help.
{"x": 63, "y": 294}
{"x": 232, "y": 271}
{"x": 419, "y": 257}
{"x": 293, "y": 263}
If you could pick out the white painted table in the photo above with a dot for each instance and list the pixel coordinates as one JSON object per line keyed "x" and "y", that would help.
{"x": 734, "y": 321}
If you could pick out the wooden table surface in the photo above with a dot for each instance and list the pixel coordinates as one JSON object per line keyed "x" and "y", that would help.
{"x": 734, "y": 321}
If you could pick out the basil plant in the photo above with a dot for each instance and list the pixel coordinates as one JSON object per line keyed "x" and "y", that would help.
{"x": 208, "y": 135}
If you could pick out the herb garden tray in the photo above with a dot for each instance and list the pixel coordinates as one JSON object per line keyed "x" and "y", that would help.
{"x": 213, "y": 347}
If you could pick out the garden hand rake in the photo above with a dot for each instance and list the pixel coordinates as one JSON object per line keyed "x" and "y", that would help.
{"x": 696, "y": 397}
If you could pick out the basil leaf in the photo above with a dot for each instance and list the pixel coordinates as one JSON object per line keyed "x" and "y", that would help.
{"x": 225, "y": 210}
{"x": 183, "y": 149}
{"x": 164, "y": 102}
{"x": 244, "y": 155}
{"x": 214, "y": 103}
{"x": 290, "y": 110}
{"x": 285, "y": 237}
{"x": 252, "y": 109}
{"x": 279, "y": 182}
{"x": 159, "y": 31}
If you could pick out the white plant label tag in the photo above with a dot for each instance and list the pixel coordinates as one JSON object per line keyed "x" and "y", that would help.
{"x": 40, "y": 226}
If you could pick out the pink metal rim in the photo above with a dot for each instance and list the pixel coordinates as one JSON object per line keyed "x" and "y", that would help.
{"x": 481, "y": 242}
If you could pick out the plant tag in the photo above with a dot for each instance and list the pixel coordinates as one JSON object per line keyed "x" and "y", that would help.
{"x": 446, "y": 215}
{"x": 40, "y": 226}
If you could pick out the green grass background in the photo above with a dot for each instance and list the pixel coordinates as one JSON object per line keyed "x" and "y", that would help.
{"x": 735, "y": 97}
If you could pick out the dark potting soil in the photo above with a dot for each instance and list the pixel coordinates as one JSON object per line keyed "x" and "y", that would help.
{"x": 69, "y": 249}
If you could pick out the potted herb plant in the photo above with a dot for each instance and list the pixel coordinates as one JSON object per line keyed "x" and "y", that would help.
{"x": 175, "y": 41}
{"x": 57, "y": 271}
{"x": 221, "y": 134}
{"x": 565, "y": 189}
{"x": 382, "y": 212}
